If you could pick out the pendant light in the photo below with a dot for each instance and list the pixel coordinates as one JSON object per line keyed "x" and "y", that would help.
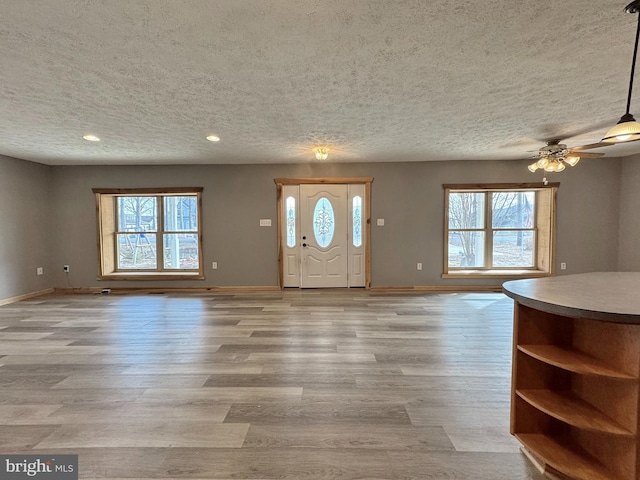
{"x": 627, "y": 129}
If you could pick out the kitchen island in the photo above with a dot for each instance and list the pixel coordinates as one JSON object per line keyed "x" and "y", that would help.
{"x": 576, "y": 370}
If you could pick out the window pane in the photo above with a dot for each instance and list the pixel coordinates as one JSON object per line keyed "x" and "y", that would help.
{"x": 136, "y": 251}
{"x": 513, "y": 249}
{"x": 466, "y": 249}
{"x": 181, "y": 251}
{"x": 291, "y": 222}
{"x": 466, "y": 210}
{"x": 323, "y": 222}
{"x": 512, "y": 209}
{"x": 137, "y": 214}
{"x": 181, "y": 214}
{"x": 357, "y": 221}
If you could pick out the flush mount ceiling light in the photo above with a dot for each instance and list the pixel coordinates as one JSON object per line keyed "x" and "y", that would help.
{"x": 322, "y": 153}
{"x": 213, "y": 138}
{"x": 627, "y": 129}
{"x": 91, "y": 138}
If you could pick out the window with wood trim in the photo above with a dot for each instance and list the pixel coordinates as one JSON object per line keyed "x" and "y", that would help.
{"x": 150, "y": 233}
{"x": 499, "y": 229}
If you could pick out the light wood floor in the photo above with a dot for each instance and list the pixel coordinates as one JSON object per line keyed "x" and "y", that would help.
{"x": 294, "y": 385}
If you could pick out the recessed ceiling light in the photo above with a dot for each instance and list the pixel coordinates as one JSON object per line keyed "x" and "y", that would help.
{"x": 91, "y": 138}
{"x": 213, "y": 138}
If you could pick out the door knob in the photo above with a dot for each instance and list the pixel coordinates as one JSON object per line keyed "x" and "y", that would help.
{"x": 304, "y": 244}
{"x": 304, "y": 237}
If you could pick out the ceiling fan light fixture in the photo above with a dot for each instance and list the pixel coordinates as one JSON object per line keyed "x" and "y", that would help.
{"x": 555, "y": 157}
{"x": 554, "y": 166}
{"x": 572, "y": 160}
{"x": 543, "y": 162}
{"x": 557, "y": 166}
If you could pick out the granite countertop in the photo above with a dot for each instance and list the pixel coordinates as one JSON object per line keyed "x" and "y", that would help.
{"x": 606, "y": 296}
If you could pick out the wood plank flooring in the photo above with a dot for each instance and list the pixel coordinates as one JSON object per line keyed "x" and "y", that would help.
{"x": 313, "y": 384}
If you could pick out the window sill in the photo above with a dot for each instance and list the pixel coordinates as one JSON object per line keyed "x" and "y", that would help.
{"x": 496, "y": 274}
{"x": 152, "y": 276}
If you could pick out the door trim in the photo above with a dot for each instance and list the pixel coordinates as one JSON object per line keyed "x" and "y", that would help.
{"x": 367, "y": 181}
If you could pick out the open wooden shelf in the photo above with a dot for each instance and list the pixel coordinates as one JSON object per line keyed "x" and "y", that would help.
{"x": 568, "y": 408}
{"x": 575, "y": 390}
{"x": 573, "y": 361}
{"x": 568, "y": 460}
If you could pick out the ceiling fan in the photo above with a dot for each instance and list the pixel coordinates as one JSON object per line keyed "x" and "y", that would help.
{"x": 555, "y": 156}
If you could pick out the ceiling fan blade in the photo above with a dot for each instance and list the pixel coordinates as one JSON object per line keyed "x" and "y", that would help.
{"x": 592, "y": 145}
{"x": 552, "y": 132}
{"x": 588, "y": 154}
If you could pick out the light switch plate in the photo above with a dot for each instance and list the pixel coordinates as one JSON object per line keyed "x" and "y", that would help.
{"x": 265, "y": 222}
{"x": 380, "y": 222}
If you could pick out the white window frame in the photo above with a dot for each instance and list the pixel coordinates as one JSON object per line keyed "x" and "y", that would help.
{"x": 543, "y": 228}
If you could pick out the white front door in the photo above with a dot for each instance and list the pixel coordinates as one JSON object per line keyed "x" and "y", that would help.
{"x": 323, "y": 230}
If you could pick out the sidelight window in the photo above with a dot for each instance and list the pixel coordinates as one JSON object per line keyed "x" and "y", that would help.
{"x": 291, "y": 222}
{"x": 357, "y": 221}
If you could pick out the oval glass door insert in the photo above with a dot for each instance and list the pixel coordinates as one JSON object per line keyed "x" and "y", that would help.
{"x": 323, "y": 222}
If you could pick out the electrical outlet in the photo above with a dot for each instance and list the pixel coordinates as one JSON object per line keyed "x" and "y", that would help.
{"x": 265, "y": 222}
{"x": 419, "y": 266}
{"x": 66, "y": 269}
{"x": 39, "y": 271}
{"x": 563, "y": 266}
{"x": 214, "y": 265}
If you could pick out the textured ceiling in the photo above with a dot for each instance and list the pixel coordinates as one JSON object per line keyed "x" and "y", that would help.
{"x": 375, "y": 80}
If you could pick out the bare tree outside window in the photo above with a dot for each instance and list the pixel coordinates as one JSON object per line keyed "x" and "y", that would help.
{"x": 180, "y": 232}
{"x": 466, "y": 225}
{"x": 137, "y": 240}
{"x": 513, "y": 234}
{"x": 491, "y": 229}
{"x": 142, "y": 233}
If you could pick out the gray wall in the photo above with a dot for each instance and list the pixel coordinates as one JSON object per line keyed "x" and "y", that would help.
{"x": 629, "y": 255}
{"x": 588, "y": 216}
{"x": 25, "y": 227}
{"x": 409, "y": 196}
